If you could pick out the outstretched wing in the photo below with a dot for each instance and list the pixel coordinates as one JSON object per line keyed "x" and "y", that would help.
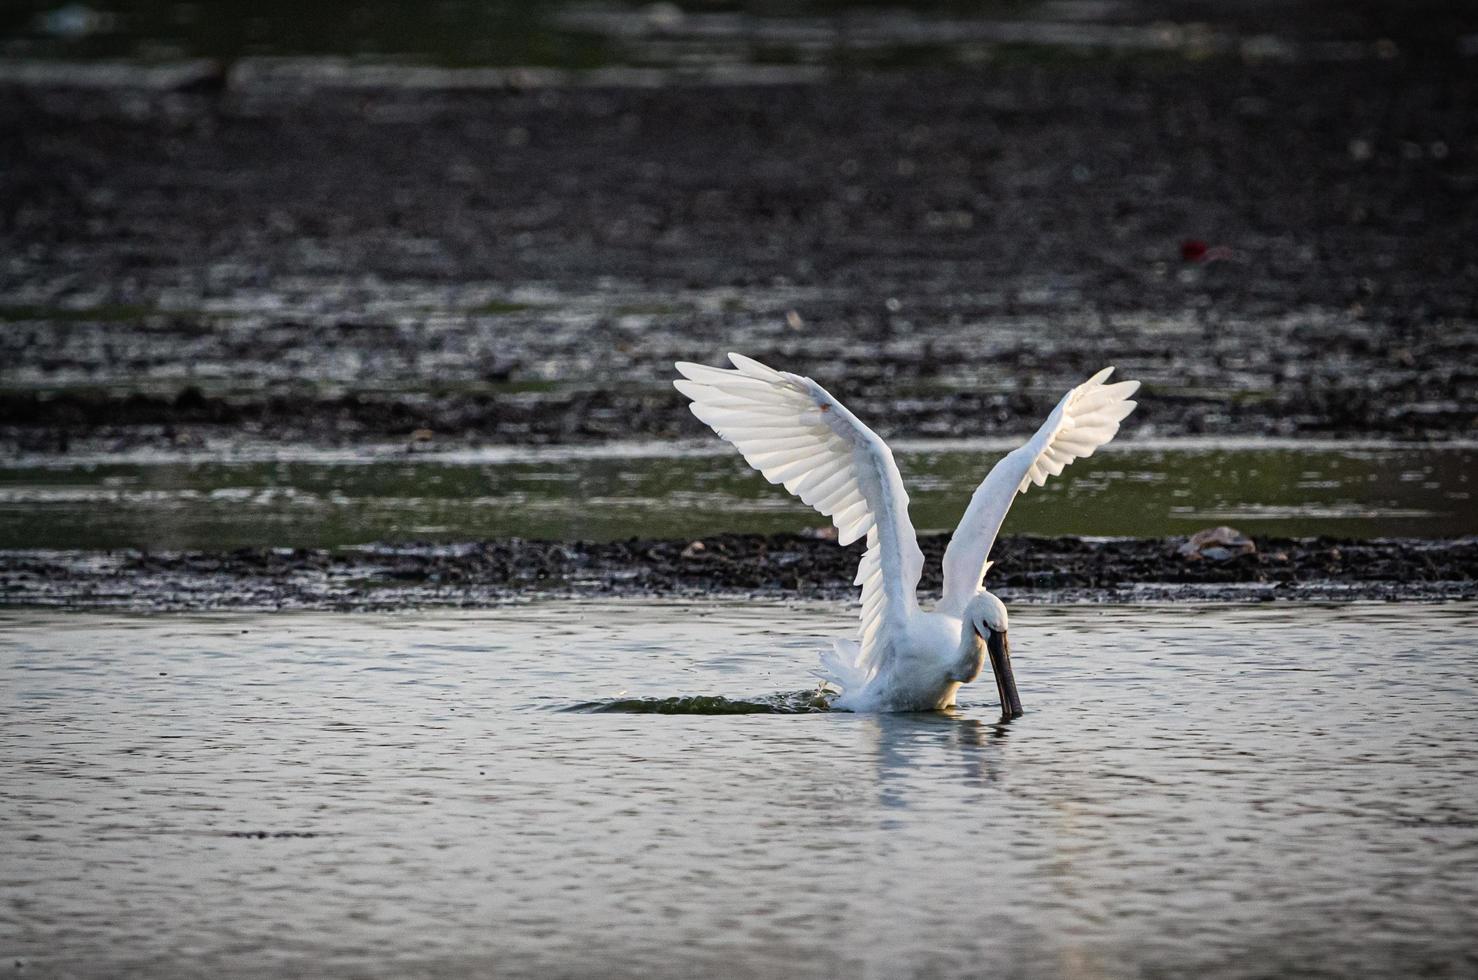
{"x": 795, "y": 433}
{"x": 1086, "y": 418}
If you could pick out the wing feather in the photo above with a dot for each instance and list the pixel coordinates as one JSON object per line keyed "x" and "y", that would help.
{"x": 795, "y": 433}
{"x": 1085, "y": 419}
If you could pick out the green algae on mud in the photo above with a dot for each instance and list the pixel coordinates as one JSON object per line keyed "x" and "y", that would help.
{"x": 112, "y": 313}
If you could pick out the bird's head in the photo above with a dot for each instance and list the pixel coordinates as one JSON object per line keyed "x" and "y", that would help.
{"x": 986, "y": 616}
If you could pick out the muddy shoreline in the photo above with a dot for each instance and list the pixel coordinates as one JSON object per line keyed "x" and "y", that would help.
{"x": 1275, "y": 246}
{"x": 1029, "y": 569}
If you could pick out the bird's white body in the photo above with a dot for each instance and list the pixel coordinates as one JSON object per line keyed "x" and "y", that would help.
{"x": 924, "y": 674}
{"x": 905, "y": 659}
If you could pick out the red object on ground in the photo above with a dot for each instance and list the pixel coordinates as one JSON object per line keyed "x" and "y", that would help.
{"x": 1192, "y": 250}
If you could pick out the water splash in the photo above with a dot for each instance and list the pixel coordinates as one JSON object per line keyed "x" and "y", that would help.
{"x": 791, "y": 703}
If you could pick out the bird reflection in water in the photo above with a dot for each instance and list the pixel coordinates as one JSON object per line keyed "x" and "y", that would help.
{"x": 906, "y": 744}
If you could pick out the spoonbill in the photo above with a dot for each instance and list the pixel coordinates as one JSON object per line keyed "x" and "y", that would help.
{"x": 798, "y": 434}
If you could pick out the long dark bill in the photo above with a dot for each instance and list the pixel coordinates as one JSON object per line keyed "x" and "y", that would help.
{"x": 1000, "y": 662}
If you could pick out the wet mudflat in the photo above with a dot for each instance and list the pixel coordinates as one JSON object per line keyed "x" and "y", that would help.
{"x": 779, "y": 566}
{"x": 1238, "y": 790}
{"x": 948, "y": 247}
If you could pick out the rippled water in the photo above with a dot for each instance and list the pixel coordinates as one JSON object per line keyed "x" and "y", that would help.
{"x": 1245, "y": 791}
{"x": 614, "y": 492}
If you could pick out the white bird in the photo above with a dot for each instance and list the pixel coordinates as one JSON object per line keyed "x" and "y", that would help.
{"x": 795, "y": 433}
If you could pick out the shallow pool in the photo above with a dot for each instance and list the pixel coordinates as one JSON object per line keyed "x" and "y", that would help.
{"x": 611, "y": 492}
{"x": 1237, "y": 791}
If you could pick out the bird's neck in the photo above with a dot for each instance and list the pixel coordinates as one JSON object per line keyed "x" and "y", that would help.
{"x": 968, "y": 637}
{"x": 970, "y": 655}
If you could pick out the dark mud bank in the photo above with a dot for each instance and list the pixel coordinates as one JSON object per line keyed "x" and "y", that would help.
{"x": 1273, "y": 248}
{"x": 1028, "y": 569}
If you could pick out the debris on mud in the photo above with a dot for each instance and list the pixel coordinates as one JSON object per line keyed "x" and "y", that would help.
{"x": 1217, "y": 544}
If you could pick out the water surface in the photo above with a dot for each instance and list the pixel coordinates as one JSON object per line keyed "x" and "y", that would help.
{"x": 1237, "y": 791}
{"x": 620, "y": 491}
